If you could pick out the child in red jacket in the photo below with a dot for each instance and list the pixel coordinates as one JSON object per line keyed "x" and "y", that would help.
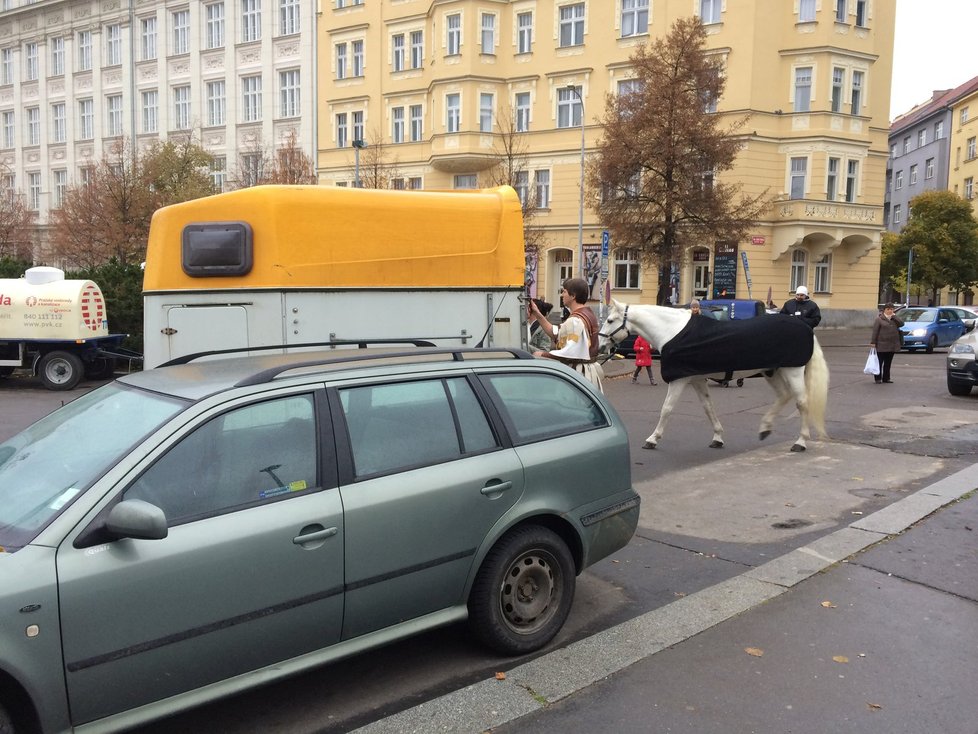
{"x": 643, "y": 358}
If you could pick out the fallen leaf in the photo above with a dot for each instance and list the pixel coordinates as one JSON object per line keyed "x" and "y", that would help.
{"x": 500, "y": 676}
{"x": 841, "y": 659}
{"x": 873, "y": 706}
{"x": 755, "y": 651}
{"x": 856, "y": 512}
{"x": 828, "y": 605}
{"x": 616, "y": 561}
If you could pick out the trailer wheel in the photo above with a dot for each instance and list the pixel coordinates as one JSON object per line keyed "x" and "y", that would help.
{"x": 6, "y": 371}
{"x": 60, "y": 370}
{"x": 100, "y": 368}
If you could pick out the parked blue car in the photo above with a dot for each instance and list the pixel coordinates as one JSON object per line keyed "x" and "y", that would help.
{"x": 929, "y": 327}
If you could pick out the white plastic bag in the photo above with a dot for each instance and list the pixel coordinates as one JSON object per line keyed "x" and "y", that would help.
{"x": 872, "y": 363}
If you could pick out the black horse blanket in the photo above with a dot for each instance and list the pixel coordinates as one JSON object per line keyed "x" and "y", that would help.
{"x": 707, "y": 346}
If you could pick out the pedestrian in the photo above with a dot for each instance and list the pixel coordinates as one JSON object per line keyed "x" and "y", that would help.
{"x": 539, "y": 338}
{"x": 643, "y": 358}
{"x": 886, "y": 340}
{"x": 803, "y": 307}
{"x": 694, "y": 308}
{"x": 577, "y": 336}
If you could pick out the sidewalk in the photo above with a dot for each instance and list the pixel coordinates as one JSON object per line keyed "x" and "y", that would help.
{"x": 886, "y": 641}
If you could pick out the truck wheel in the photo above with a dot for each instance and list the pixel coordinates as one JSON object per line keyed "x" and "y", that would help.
{"x": 60, "y": 370}
{"x": 523, "y": 592}
{"x": 100, "y": 368}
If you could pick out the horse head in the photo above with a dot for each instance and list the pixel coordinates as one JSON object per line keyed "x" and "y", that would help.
{"x": 615, "y": 327}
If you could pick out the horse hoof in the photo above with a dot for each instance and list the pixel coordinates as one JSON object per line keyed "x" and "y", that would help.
{"x": 797, "y": 447}
{"x": 716, "y": 445}
{"x": 648, "y": 445}
{"x": 764, "y": 434}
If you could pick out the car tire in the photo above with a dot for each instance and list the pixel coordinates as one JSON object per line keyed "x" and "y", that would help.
{"x": 523, "y": 591}
{"x": 60, "y": 370}
{"x": 931, "y": 344}
{"x": 961, "y": 388}
{"x": 6, "y": 371}
{"x": 6, "y": 723}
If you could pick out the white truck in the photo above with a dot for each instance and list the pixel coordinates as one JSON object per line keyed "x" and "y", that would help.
{"x": 56, "y": 328}
{"x": 284, "y": 266}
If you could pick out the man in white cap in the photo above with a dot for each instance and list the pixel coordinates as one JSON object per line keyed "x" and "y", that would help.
{"x": 803, "y": 307}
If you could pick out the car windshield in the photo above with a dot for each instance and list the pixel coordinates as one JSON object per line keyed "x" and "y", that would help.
{"x": 920, "y": 315}
{"x": 43, "y": 468}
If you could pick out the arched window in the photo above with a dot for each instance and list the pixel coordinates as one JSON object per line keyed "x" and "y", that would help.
{"x": 799, "y": 269}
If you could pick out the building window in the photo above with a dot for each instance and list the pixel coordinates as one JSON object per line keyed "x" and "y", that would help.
{"x": 799, "y": 269}
{"x": 113, "y": 45}
{"x": 857, "y": 92}
{"x": 799, "y": 171}
{"x": 86, "y": 175}
{"x": 898, "y": 180}
{"x": 466, "y": 181}
{"x": 627, "y": 269}
{"x": 113, "y": 115}
{"x": 803, "y": 89}
{"x": 922, "y": 138}
{"x": 572, "y": 25}
{"x": 59, "y": 130}
{"x": 832, "y": 182}
{"x": 414, "y": 183}
{"x": 838, "y": 81}
{"x": 397, "y": 125}
{"x": 417, "y": 123}
{"x": 341, "y": 131}
{"x": 250, "y": 20}
{"x": 34, "y": 190}
{"x": 522, "y": 112}
{"x": 970, "y": 148}
{"x": 521, "y": 182}
{"x": 7, "y": 65}
{"x": 84, "y": 50}
{"x": 398, "y": 52}
{"x": 31, "y": 67}
{"x": 913, "y": 174}
{"x": 453, "y": 41}
{"x": 861, "y": 7}
{"x": 357, "y": 58}
{"x": 823, "y": 271}
{"x": 453, "y": 113}
{"x": 569, "y": 108}
{"x": 710, "y": 11}
{"x": 485, "y": 112}
{"x": 147, "y": 38}
{"x": 251, "y": 98}
{"x": 289, "y": 93}
{"x": 214, "y": 25}
{"x": 417, "y": 49}
{"x": 216, "y": 102}
{"x": 897, "y": 213}
{"x": 906, "y": 145}
{"x": 840, "y": 11}
{"x": 151, "y": 111}
{"x": 181, "y": 31}
{"x": 939, "y": 130}
{"x": 852, "y": 170}
{"x": 541, "y": 183}
{"x": 288, "y": 17}
{"x": 969, "y": 188}
{"x": 57, "y": 57}
{"x": 635, "y": 17}
{"x": 524, "y": 33}
{"x": 341, "y": 61}
{"x": 86, "y": 119}
{"x": 8, "y": 128}
{"x": 929, "y": 168}
{"x": 358, "y": 133}
{"x": 488, "y": 37}
{"x": 33, "y": 125}
{"x": 397, "y": 184}
{"x": 60, "y": 186}
{"x": 964, "y": 115}
{"x": 219, "y": 172}
{"x": 806, "y": 11}
{"x": 181, "y": 107}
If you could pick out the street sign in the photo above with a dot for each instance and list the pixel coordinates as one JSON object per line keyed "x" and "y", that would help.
{"x": 605, "y": 246}
{"x": 757, "y": 240}
{"x": 743, "y": 256}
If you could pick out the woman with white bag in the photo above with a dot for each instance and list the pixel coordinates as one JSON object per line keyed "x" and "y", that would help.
{"x": 886, "y": 340}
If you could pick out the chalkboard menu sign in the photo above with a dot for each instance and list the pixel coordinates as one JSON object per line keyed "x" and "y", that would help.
{"x": 725, "y": 270}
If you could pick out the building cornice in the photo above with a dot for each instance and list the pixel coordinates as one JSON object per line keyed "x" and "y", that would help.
{"x": 828, "y": 50}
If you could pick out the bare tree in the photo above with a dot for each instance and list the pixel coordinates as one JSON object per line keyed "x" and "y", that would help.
{"x": 656, "y": 179}
{"x": 287, "y": 164}
{"x": 17, "y": 222}
{"x": 378, "y": 169}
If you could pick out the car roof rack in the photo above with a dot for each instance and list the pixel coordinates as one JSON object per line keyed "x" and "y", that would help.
{"x": 361, "y": 343}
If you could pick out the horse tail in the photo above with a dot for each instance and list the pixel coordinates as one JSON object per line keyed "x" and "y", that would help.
{"x": 817, "y": 389}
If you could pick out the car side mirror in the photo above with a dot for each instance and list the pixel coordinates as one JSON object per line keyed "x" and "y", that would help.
{"x": 136, "y": 519}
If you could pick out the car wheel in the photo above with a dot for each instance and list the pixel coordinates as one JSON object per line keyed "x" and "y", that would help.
{"x": 6, "y": 723}
{"x": 6, "y": 371}
{"x": 60, "y": 370}
{"x": 958, "y": 387}
{"x": 523, "y": 592}
{"x": 931, "y": 343}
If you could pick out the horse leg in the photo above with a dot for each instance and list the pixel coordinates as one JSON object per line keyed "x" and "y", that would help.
{"x": 674, "y": 391}
{"x": 795, "y": 381}
{"x": 703, "y": 390}
{"x": 782, "y": 396}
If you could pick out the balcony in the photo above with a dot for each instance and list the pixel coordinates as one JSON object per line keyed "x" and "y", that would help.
{"x": 824, "y": 226}
{"x": 468, "y": 152}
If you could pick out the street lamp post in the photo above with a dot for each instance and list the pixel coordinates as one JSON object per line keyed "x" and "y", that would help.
{"x": 909, "y": 271}
{"x": 357, "y": 145}
{"x": 580, "y": 206}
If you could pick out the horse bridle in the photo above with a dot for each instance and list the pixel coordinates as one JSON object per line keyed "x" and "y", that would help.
{"x": 621, "y": 327}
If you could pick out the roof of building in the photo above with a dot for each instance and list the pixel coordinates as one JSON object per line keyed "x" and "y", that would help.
{"x": 941, "y": 99}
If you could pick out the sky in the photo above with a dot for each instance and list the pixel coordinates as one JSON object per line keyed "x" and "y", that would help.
{"x": 934, "y": 48}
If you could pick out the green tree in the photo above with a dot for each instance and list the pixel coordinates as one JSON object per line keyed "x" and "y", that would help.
{"x": 107, "y": 215}
{"x": 943, "y": 233}
{"x": 13, "y": 267}
{"x": 657, "y": 179}
{"x": 122, "y": 286}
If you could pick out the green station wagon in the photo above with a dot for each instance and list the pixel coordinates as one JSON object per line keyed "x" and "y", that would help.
{"x": 185, "y": 533}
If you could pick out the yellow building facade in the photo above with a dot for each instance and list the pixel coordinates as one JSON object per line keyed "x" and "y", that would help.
{"x": 428, "y": 86}
{"x": 963, "y": 148}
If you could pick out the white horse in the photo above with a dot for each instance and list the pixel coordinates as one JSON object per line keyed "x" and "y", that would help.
{"x": 807, "y": 384}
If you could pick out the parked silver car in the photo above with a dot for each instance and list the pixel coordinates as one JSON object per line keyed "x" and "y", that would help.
{"x": 187, "y": 532}
{"x": 962, "y": 368}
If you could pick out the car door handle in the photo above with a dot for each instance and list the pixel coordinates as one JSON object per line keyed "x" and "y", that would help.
{"x": 314, "y": 536}
{"x": 497, "y": 488}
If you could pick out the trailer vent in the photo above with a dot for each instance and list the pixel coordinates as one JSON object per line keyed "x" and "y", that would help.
{"x": 217, "y": 249}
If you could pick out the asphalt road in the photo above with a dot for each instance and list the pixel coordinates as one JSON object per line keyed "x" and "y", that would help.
{"x": 708, "y": 515}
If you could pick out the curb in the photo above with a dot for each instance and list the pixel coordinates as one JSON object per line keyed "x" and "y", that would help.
{"x": 537, "y": 684}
